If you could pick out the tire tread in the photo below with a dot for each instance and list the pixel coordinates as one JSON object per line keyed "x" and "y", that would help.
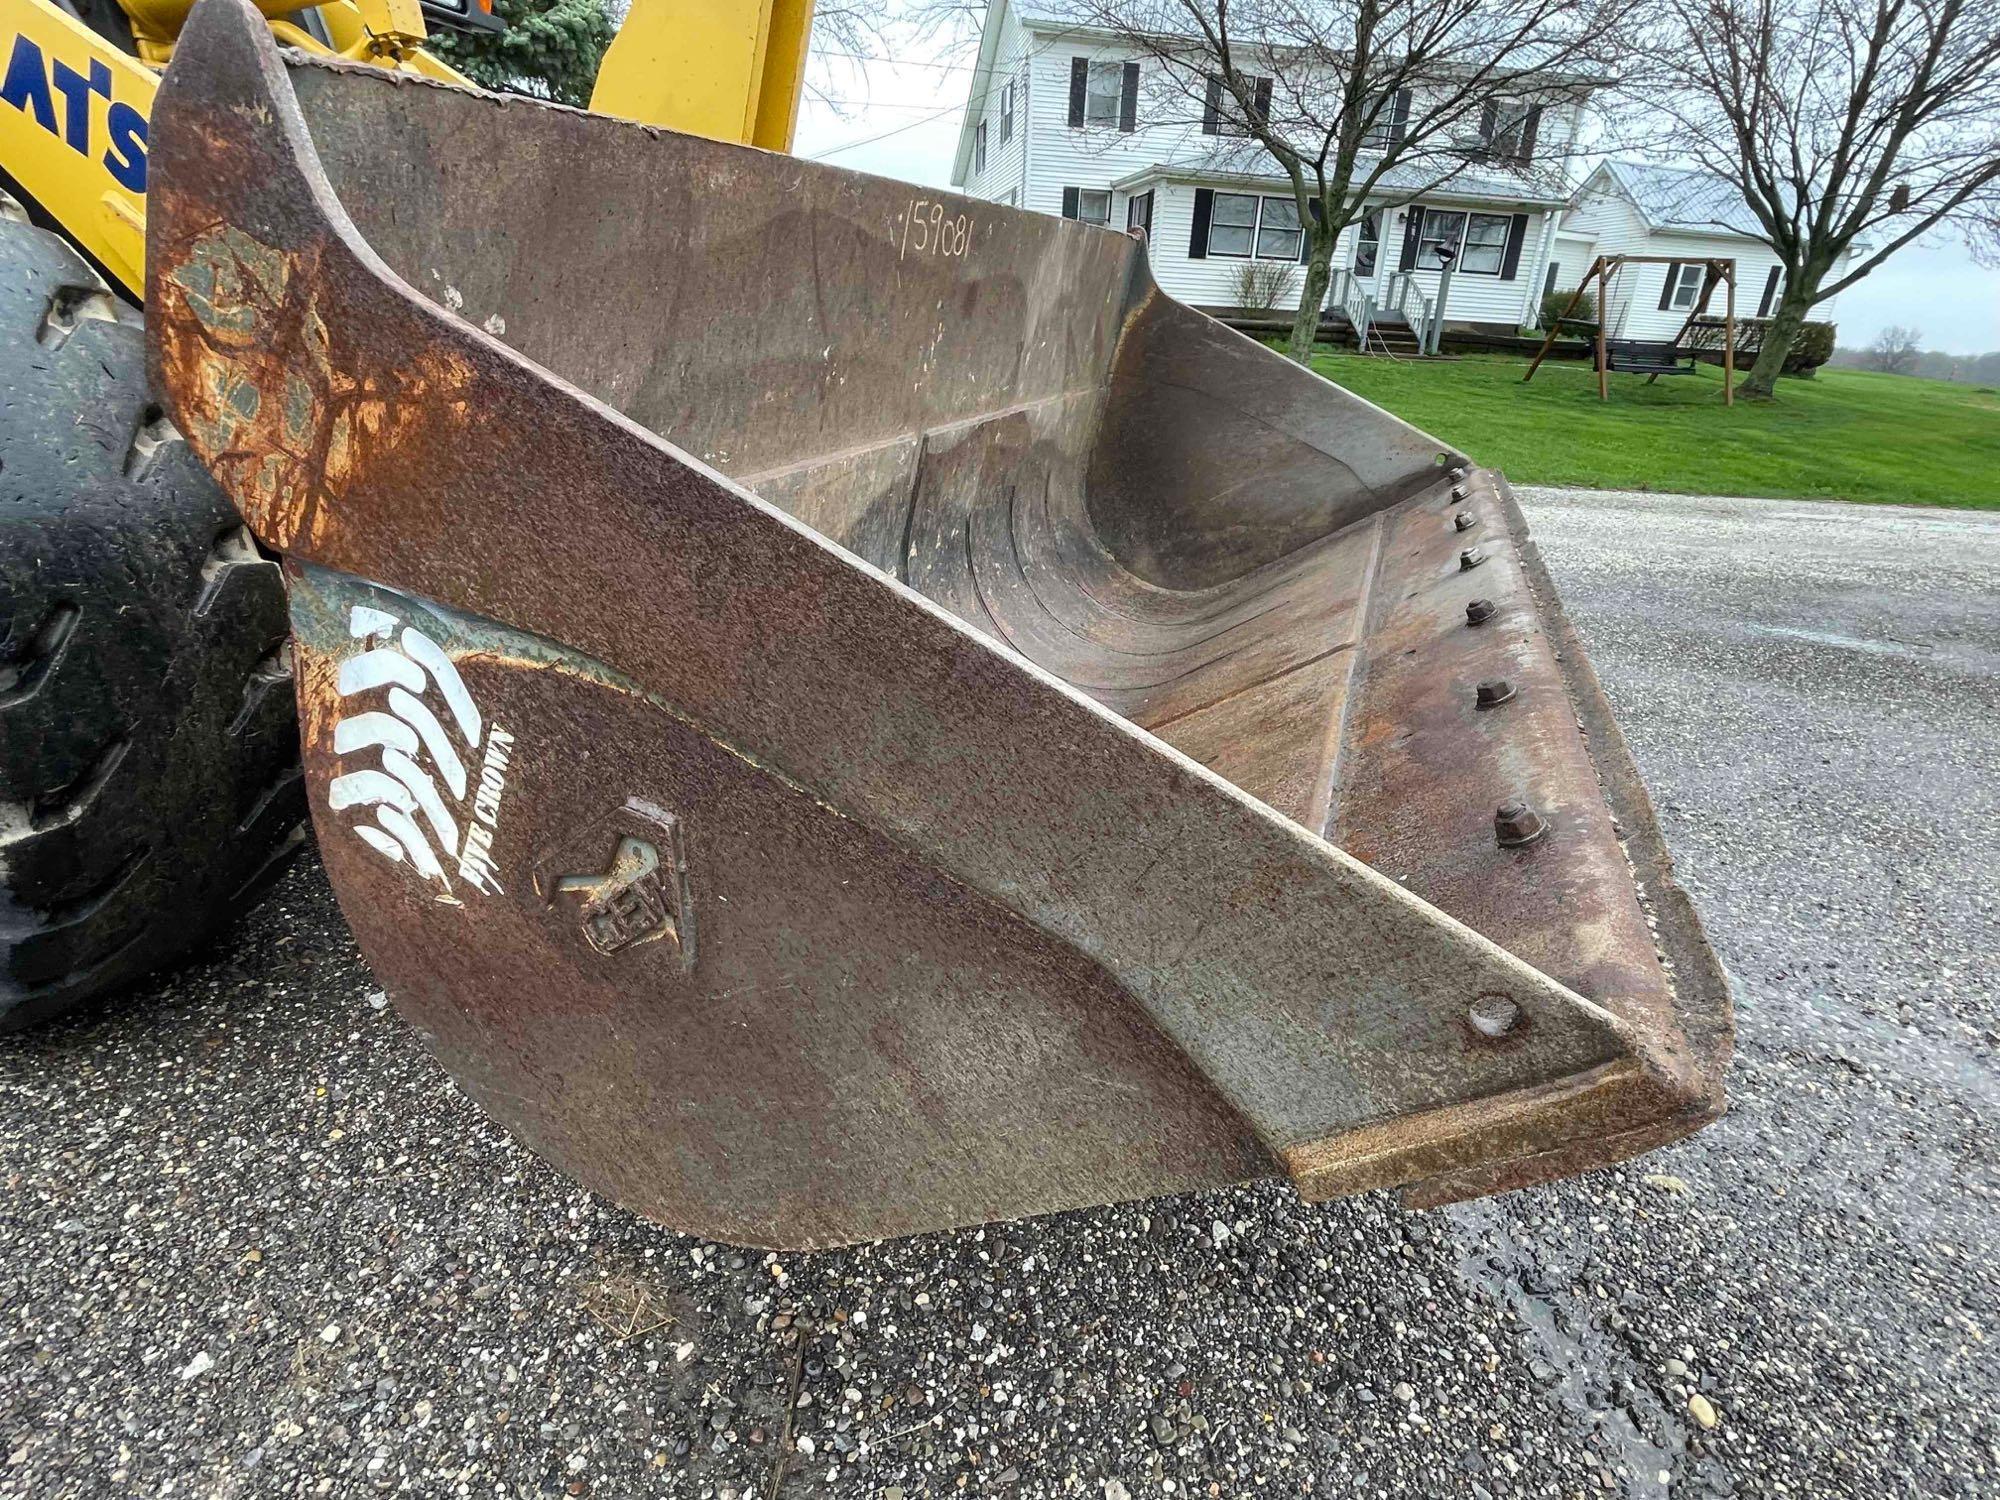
{"x": 149, "y": 778}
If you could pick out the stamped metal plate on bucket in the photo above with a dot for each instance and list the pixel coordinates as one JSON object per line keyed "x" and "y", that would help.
{"x": 830, "y": 741}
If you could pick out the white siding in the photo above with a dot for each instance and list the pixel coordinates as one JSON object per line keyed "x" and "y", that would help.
{"x": 1571, "y": 254}
{"x": 1478, "y": 298}
{"x": 1604, "y": 212}
{"x": 1092, "y": 156}
{"x": 1095, "y": 156}
{"x": 1006, "y": 161}
{"x": 1048, "y": 155}
{"x": 1212, "y": 282}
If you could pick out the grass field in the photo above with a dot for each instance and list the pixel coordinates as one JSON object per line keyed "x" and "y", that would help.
{"x": 1845, "y": 435}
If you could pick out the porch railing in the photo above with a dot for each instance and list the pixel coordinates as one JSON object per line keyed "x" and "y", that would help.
{"x": 1410, "y": 302}
{"x": 1354, "y": 302}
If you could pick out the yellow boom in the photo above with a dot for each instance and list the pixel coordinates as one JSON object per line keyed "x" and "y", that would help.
{"x": 730, "y": 71}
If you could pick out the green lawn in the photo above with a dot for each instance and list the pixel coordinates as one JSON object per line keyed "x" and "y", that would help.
{"x": 1845, "y": 435}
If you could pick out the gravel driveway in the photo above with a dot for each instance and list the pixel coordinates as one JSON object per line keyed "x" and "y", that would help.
{"x": 252, "y": 1243}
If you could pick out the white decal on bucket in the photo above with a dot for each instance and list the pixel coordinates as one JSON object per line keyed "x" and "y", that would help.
{"x": 407, "y": 770}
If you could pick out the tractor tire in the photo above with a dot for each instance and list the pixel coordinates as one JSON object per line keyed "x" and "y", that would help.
{"x": 149, "y": 754}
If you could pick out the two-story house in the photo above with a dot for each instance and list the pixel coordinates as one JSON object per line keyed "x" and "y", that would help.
{"x": 1058, "y": 122}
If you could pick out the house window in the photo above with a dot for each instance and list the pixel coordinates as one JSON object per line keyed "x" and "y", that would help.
{"x": 1507, "y": 130}
{"x": 1242, "y": 223}
{"x": 979, "y": 147}
{"x": 1221, "y": 113}
{"x": 1368, "y": 244}
{"x": 1443, "y": 230}
{"x": 1686, "y": 284}
{"x": 1386, "y": 115}
{"x": 1103, "y": 93}
{"x": 1278, "y": 230}
{"x": 1485, "y": 244}
{"x": 1139, "y": 211}
{"x": 1007, "y": 113}
{"x": 1232, "y": 228}
{"x": 1093, "y": 205}
{"x": 1770, "y": 292}
{"x": 1478, "y": 241}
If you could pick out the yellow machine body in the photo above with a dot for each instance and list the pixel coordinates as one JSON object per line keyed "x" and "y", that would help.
{"x": 731, "y": 72}
{"x": 75, "y": 107}
{"x": 73, "y": 118}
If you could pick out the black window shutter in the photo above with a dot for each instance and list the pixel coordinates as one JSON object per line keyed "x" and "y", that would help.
{"x": 1667, "y": 290}
{"x": 1770, "y": 292}
{"x": 1306, "y": 240}
{"x": 1399, "y": 119}
{"x": 1069, "y": 203}
{"x": 1529, "y": 130}
{"x": 1079, "y": 80}
{"x": 1128, "y": 99}
{"x": 1204, "y": 207}
{"x": 1549, "y": 279}
{"x": 1510, "y": 262}
{"x": 1211, "y": 107}
{"x": 1488, "y": 117}
{"x": 1264, "y": 99}
{"x": 1413, "y": 235}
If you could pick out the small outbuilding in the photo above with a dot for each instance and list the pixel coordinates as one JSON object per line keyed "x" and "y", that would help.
{"x": 1688, "y": 216}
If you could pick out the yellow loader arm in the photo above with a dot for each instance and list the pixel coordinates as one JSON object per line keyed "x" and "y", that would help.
{"x": 731, "y": 71}
{"x": 77, "y": 108}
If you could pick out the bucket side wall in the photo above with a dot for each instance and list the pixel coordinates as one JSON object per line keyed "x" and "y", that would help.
{"x": 803, "y": 328}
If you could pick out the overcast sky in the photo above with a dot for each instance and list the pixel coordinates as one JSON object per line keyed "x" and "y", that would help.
{"x": 901, "y": 120}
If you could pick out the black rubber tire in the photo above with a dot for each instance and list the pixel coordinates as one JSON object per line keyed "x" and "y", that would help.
{"x": 149, "y": 756}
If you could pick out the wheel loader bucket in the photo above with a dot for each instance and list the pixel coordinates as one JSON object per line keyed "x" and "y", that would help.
{"x": 842, "y": 710}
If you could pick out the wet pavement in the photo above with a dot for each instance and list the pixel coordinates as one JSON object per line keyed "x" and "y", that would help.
{"x": 253, "y": 1243}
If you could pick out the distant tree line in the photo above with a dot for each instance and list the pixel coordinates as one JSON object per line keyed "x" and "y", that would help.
{"x": 1900, "y": 351}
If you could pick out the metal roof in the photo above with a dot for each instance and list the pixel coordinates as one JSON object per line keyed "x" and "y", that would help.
{"x": 1685, "y": 198}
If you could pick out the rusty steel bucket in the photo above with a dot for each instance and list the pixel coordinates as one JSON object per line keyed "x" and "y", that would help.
{"x": 842, "y": 711}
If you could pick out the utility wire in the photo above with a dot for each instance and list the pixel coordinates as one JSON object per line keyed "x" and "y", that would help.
{"x": 895, "y": 62}
{"x": 992, "y": 85}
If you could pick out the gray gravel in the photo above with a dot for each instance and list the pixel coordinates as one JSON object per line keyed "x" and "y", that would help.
{"x": 251, "y": 1243}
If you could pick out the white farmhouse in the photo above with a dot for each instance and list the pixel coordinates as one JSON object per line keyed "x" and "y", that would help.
{"x": 1058, "y": 123}
{"x": 1635, "y": 208}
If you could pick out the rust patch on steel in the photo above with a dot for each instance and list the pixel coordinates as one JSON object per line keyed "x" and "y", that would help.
{"x": 286, "y": 421}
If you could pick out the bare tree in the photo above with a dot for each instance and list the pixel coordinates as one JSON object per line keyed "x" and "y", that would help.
{"x": 1843, "y": 125}
{"x": 1361, "y": 104}
{"x": 1896, "y": 350}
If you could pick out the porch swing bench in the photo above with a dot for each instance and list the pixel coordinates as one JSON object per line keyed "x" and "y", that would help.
{"x": 1638, "y": 357}
{"x": 1651, "y": 358}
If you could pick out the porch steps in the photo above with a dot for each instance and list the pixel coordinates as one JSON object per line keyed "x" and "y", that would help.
{"x": 1386, "y": 337}
{"x": 1389, "y": 336}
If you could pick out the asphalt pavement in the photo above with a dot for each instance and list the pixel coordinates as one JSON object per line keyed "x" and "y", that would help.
{"x": 253, "y": 1243}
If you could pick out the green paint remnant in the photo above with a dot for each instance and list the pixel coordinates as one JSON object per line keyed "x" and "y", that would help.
{"x": 227, "y": 276}
{"x": 298, "y": 411}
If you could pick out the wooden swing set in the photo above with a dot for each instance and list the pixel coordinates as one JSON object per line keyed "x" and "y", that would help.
{"x": 1640, "y": 357}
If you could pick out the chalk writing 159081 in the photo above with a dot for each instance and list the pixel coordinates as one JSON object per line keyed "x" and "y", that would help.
{"x": 928, "y": 229}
